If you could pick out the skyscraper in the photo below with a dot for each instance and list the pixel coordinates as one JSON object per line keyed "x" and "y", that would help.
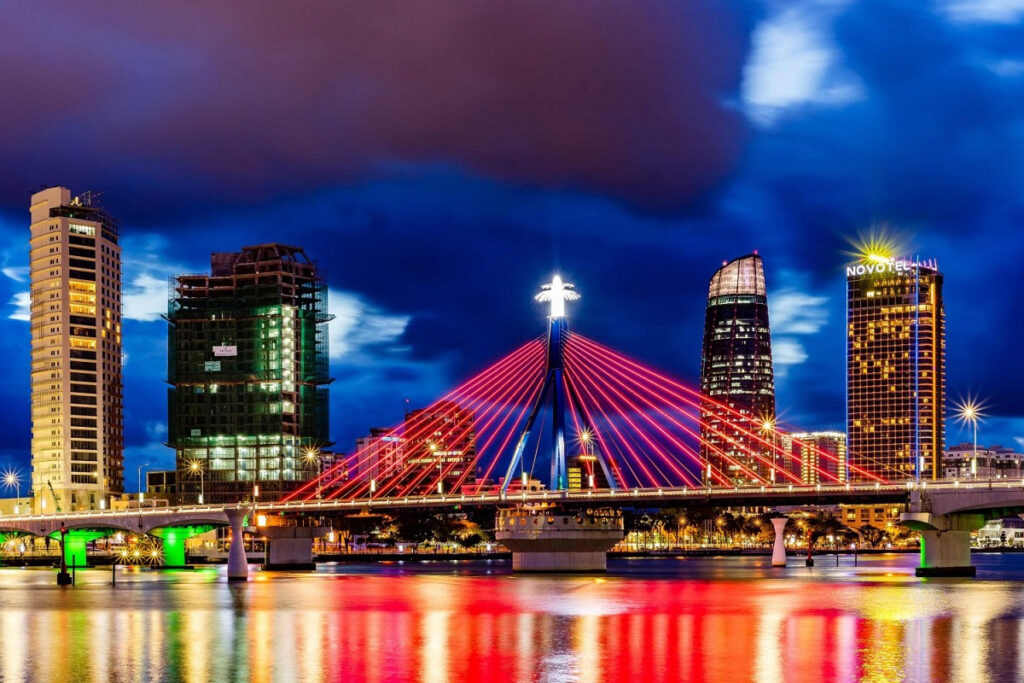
{"x": 77, "y": 431}
{"x": 248, "y": 369}
{"x": 736, "y": 371}
{"x": 895, "y": 367}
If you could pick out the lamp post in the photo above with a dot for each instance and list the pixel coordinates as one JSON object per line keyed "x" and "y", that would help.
{"x": 197, "y": 467}
{"x": 768, "y": 430}
{"x": 145, "y": 464}
{"x": 969, "y": 411}
{"x": 313, "y": 455}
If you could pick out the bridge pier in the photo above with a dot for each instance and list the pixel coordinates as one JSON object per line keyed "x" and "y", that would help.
{"x": 238, "y": 564}
{"x": 75, "y": 542}
{"x": 174, "y": 538}
{"x": 945, "y": 542}
{"x": 290, "y": 547}
{"x": 553, "y": 541}
{"x": 779, "y": 549}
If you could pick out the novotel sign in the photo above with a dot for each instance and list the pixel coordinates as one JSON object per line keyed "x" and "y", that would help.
{"x": 895, "y": 266}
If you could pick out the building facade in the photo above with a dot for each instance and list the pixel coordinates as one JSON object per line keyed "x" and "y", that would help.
{"x": 439, "y": 444}
{"x": 378, "y": 455}
{"x": 248, "y": 368}
{"x": 736, "y": 371}
{"x": 963, "y": 461}
{"x": 77, "y": 427}
{"x": 896, "y": 374}
{"x": 819, "y": 457}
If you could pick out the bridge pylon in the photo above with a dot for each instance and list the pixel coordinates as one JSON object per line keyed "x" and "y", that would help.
{"x": 556, "y": 393}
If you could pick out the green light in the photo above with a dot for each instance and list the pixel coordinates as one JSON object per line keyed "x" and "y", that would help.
{"x": 75, "y": 545}
{"x": 174, "y": 538}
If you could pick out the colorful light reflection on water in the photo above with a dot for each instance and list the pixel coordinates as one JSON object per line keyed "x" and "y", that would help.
{"x": 695, "y": 620}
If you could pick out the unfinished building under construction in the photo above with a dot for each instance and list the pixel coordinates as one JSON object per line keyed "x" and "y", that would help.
{"x": 248, "y": 369}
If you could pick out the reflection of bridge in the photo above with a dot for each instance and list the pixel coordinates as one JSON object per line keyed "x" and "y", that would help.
{"x": 619, "y": 434}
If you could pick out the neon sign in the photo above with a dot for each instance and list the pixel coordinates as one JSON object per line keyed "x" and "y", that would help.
{"x": 879, "y": 266}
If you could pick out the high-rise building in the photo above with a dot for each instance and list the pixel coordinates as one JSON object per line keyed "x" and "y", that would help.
{"x": 77, "y": 430}
{"x": 820, "y": 457}
{"x": 378, "y": 455}
{"x": 439, "y": 446}
{"x": 895, "y": 367}
{"x": 248, "y": 366}
{"x": 736, "y": 371}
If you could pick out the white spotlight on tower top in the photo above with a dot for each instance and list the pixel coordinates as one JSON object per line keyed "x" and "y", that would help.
{"x": 557, "y": 292}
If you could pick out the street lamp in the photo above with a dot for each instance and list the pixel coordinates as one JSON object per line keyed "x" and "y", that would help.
{"x": 440, "y": 473}
{"x": 145, "y": 464}
{"x": 197, "y": 467}
{"x": 313, "y": 455}
{"x": 970, "y": 411}
{"x": 12, "y": 481}
{"x": 767, "y": 429}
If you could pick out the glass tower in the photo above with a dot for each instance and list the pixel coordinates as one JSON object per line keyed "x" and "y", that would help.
{"x": 895, "y": 367}
{"x": 736, "y": 372}
{"x": 248, "y": 366}
{"x": 77, "y": 428}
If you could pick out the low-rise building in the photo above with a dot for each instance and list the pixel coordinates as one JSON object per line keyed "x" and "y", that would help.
{"x": 963, "y": 461}
{"x": 1002, "y": 532}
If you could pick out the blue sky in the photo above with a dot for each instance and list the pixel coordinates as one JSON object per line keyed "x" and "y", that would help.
{"x": 440, "y": 163}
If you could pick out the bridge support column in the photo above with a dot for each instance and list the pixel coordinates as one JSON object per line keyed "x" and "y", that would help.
{"x": 75, "y": 541}
{"x": 290, "y": 547}
{"x": 553, "y": 541}
{"x": 945, "y": 542}
{"x": 238, "y": 564}
{"x": 174, "y": 538}
{"x": 779, "y": 549}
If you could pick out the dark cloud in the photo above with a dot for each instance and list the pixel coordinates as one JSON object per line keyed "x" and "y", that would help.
{"x": 204, "y": 101}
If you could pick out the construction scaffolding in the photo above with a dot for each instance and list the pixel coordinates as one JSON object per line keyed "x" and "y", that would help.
{"x": 248, "y": 368}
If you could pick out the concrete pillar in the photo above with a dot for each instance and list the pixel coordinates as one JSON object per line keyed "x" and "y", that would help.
{"x": 945, "y": 542}
{"x": 174, "y": 542}
{"x": 779, "y": 549}
{"x": 555, "y": 541}
{"x": 238, "y": 565}
{"x": 75, "y": 546}
{"x": 290, "y": 547}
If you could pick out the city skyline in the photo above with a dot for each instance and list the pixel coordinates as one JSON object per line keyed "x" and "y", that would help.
{"x": 424, "y": 245}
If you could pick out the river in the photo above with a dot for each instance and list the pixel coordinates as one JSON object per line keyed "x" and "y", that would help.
{"x": 706, "y": 619}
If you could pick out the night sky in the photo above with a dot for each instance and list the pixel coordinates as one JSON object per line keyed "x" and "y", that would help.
{"x": 441, "y": 160}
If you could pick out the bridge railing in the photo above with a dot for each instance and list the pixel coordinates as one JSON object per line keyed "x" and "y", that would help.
{"x": 647, "y": 495}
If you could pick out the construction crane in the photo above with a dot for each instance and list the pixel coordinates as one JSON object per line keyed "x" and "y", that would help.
{"x": 56, "y": 501}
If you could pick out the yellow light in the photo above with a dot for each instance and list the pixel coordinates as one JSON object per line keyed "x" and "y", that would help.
{"x": 970, "y": 411}
{"x": 878, "y": 245}
{"x": 586, "y": 436}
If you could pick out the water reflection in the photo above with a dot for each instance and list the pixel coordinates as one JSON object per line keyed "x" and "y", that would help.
{"x": 708, "y": 620}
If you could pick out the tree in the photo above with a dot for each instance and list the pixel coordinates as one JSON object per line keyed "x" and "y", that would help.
{"x": 470, "y": 540}
{"x": 872, "y": 535}
{"x": 415, "y": 528}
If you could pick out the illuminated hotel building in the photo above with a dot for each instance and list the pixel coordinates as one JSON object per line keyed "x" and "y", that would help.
{"x": 736, "y": 369}
{"x": 247, "y": 365}
{"x": 440, "y": 446}
{"x": 77, "y": 429}
{"x": 896, "y": 369}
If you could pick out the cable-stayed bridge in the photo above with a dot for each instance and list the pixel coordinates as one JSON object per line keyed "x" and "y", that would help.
{"x": 564, "y": 423}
